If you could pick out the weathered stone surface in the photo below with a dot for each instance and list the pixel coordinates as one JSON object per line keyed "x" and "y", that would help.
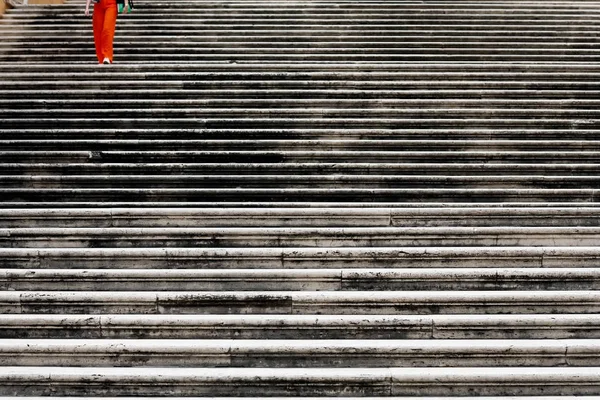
{"x": 332, "y": 199}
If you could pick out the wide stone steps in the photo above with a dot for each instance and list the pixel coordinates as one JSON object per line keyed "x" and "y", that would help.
{"x": 439, "y": 27}
{"x": 309, "y": 198}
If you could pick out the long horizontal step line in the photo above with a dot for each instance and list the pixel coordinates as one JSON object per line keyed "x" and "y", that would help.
{"x": 539, "y": 15}
{"x": 312, "y": 35}
{"x": 144, "y": 168}
{"x": 263, "y": 144}
{"x": 483, "y": 298}
{"x": 348, "y": 279}
{"x": 335, "y": 180}
{"x": 304, "y": 326}
{"x": 308, "y": 303}
{"x": 302, "y": 381}
{"x": 312, "y": 44}
{"x": 376, "y": 195}
{"x": 308, "y": 212}
{"x": 289, "y": 347}
{"x": 21, "y": 205}
{"x": 240, "y": 73}
{"x": 558, "y": 113}
{"x": 289, "y": 50}
{"x": 217, "y": 66}
{"x": 194, "y": 23}
{"x": 206, "y": 31}
{"x": 285, "y": 353}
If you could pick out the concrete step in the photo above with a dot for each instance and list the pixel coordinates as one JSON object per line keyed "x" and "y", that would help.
{"x": 38, "y": 205}
{"x": 308, "y": 398}
{"x": 291, "y": 258}
{"x": 357, "y": 326}
{"x": 154, "y": 67}
{"x": 129, "y": 197}
{"x": 79, "y": 38}
{"x": 299, "y": 169}
{"x": 316, "y": 155}
{"x": 509, "y": 96}
{"x": 576, "y": 34}
{"x": 571, "y": 106}
{"x": 540, "y": 15}
{"x": 71, "y": 381}
{"x": 301, "y": 217}
{"x": 301, "y": 302}
{"x": 286, "y": 85}
{"x": 578, "y": 131}
{"x": 234, "y": 56}
{"x": 400, "y": 145}
{"x": 301, "y": 279}
{"x": 300, "y": 181}
{"x": 522, "y": 122}
{"x": 334, "y": 72}
{"x": 160, "y": 114}
{"x": 299, "y": 353}
{"x": 298, "y": 237}
{"x": 307, "y": 45}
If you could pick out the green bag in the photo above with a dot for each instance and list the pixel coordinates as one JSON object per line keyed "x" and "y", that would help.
{"x": 121, "y": 6}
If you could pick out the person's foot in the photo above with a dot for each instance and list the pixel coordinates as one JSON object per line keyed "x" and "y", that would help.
{"x": 106, "y": 61}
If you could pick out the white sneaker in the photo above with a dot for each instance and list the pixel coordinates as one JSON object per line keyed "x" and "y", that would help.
{"x": 106, "y": 61}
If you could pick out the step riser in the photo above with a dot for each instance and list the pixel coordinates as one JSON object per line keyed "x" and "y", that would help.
{"x": 375, "y": 382}
{"x": 301, "y": 123}
{"x": 413, "y": 303}
{"x": 309, "y": 285}
{"x": 302, "y": 195}
{"x": 216, "y": 241}
{"x": 353, "y": 134}
{"x": 306, "y": 360}
{"x": 299, "y": 182}
{"x": 301, "y": 258}
{"x": 217, "y": 220}
{"x": 366, "y": 327}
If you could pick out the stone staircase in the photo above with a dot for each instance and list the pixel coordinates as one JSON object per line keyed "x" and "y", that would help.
{"x": 302, "y": 198}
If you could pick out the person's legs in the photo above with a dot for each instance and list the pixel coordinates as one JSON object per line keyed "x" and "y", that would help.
{"x": 104, "y": 22}
{"x": 108, "y": 30}
{"x": 98, "y": 24}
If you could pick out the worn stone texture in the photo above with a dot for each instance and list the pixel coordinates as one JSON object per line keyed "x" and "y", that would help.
{"x": 301, "y": 199}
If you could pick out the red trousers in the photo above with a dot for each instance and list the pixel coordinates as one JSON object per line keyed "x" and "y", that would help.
{"x": 104, "y": 22}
